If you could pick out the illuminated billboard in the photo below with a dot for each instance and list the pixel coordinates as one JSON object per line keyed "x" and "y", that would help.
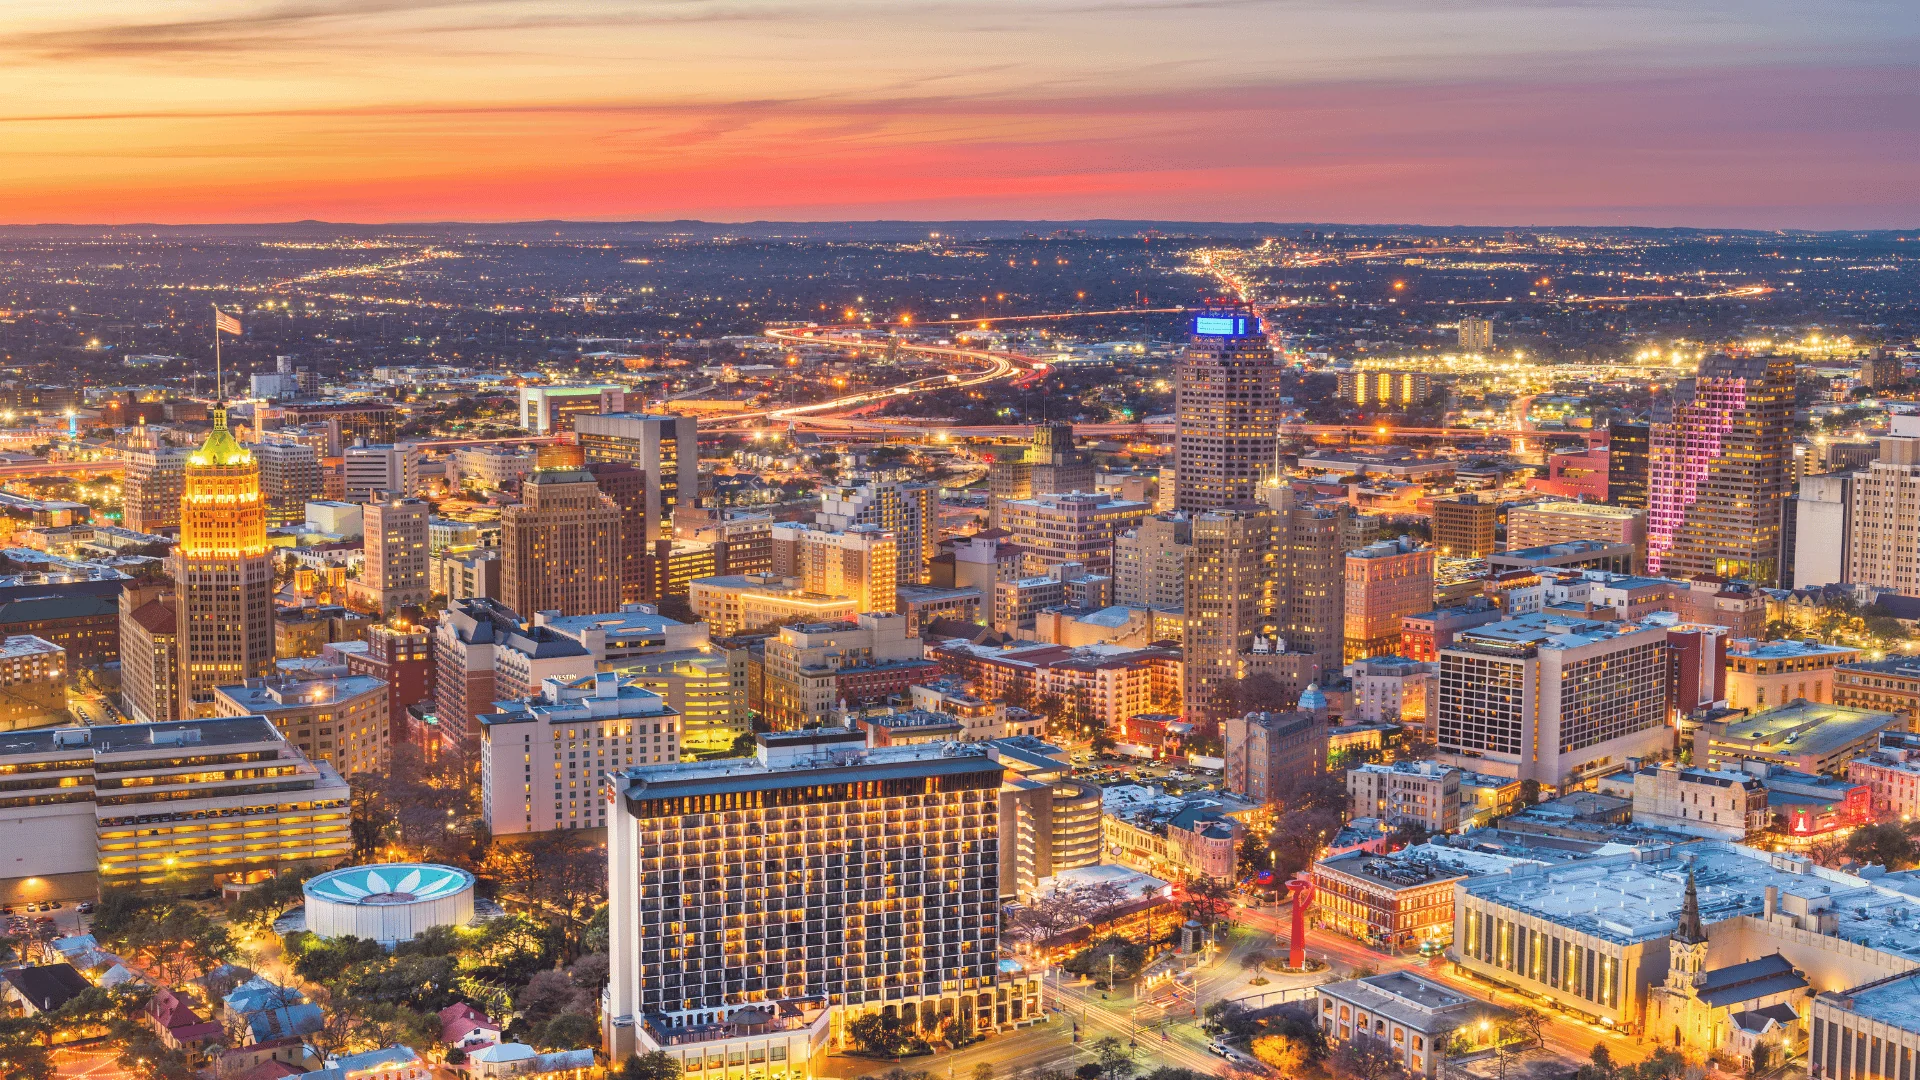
{"x": 1226, "y": 325}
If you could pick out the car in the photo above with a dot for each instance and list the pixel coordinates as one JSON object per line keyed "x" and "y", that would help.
{"x": 8, "y": 910}
{"x": 53, "y": 905}
{"x": 33, "y": 907}
{"x": 85, "y": 908}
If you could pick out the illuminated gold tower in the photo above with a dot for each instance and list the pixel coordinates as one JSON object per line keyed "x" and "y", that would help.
{"x": 223, "y": 572}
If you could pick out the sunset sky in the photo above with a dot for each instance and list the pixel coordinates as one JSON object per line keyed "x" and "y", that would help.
{"x": 1757, "y": 113}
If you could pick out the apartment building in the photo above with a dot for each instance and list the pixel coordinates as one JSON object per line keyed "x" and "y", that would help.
{"x": 1076, "y": 527}
{"x": 1424, "y": 793}
{"x": 1150, "y": 563}
{"x": 395, "y": 571}
{"x": 910, "y": 512}
{"x": 1881, "y": 549}
{"x": 1464, "y": 527}
{"x": 580, "y": 730}
{"x": 1557, "y": 522}
{"x": 1017, "y": 603}
{"x": 1385, "y": 582}
{"x": 33, "y": 682}
{"x": 860, "y": 563}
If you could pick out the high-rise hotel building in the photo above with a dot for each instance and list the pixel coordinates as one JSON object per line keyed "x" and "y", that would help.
{"x": 1226, "y": 405}
{"x": 224, "y": 575}
{"x": 750, "y": 893}
{"x": 1719, "y": 474}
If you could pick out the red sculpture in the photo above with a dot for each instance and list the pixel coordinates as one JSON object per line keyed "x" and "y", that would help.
{"x": 1301, "y": 889}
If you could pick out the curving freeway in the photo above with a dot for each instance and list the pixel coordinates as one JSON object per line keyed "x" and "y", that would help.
{"x": 992, "y": 367}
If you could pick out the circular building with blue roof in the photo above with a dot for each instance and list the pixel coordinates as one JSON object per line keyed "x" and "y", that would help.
{"x": 388, "y": 903}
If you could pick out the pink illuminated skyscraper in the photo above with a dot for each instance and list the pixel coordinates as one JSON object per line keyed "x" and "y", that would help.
{"x": 1719, "y": 473}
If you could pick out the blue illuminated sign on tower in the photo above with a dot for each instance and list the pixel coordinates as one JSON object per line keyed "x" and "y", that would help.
{"x": 1226, "y": 325}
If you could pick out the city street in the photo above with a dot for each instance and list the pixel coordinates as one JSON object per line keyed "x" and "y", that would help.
{"x": 1566, "y": 1034}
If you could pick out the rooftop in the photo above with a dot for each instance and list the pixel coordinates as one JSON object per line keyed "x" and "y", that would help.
{"x": 1783, "y": 650}
{"x": 1892, "y": 665}
{"x": 803, "y": 759}
{"x": 1587, "y": 509}
{"x": 130, "y": 738}
{"x": 273, "y": 695}
{"x": 20, "y": 646}
{"x": 1637, "y": 897}
{"x": 1805, "y": 727}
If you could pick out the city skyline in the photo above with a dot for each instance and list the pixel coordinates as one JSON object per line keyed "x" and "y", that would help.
{"x": 1483, "y": 113}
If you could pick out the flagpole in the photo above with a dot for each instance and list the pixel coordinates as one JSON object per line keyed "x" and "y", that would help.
{"x": 218, "y": 382}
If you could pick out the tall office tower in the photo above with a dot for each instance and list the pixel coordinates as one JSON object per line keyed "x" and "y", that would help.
{"x": 1463, "y": 526}
{"x": 1627, "y": 464}
{"x": 1717, "y": 475}
{"x": 289, "y": 479}
{"x": 666, "y": 448}
{"x": 1886, "y": 504}
{"x": 1055, "y": 467}
{"x": 627, "y": 487}
{"x": 1476, "y": 334}
{"x": 1310, "y": 604}
{"x": 223, "y": 571}
{"x": 903, "y": 917}
{"x": 1150, "y": 563}
{"x": 395, "y": 574}
{"x": 1230, "y": 602}
{"x": 1226, "y": 403}
{"x": 1822, "y": 519}
{"x": 860, "y": 563}
{"x": 150, "y": 494}
{"x": 1386, "y": 582}
{"x": 1009, "y": 477}
{"x": 560, "y": 548}
{"x": 911, "y": 512}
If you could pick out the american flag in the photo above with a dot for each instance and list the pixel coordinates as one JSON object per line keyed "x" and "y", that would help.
{"x": 225, "y": 323}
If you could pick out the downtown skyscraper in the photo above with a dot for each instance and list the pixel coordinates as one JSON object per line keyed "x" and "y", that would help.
{"x": 223, "y": 572}
{"x": 1226, "y": 404}
{"x": 1720, "y": 472}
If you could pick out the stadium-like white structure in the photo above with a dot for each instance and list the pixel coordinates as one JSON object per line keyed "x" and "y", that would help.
{"x": 388, "y": 903}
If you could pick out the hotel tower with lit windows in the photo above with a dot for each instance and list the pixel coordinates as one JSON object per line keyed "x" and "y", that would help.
{"x": 818, "y": 874}
{"x": 223, "y": 572}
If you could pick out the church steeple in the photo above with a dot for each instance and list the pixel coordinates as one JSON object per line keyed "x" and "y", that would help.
{"x": 1690, "y": 931}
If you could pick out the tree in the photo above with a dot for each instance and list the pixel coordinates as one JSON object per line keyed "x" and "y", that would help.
{"x": 886, "y": 1036}
{"x": 658, "y": 1065}
{"x": 1287, "y": 1056}
{"x": 1599, "y": 1065}
{"x": 24, "y": 1054}
{"x": 1114, "y": 1058}
{"x": 983, "y": 1071}
{"x": 1209, "y": 899}
{"x": 1254, "y": 856}
{"x": 1364, "y": 1058}
{"x": 570, "y": 1031}
{"x": 1528, "y": 1024}
{"x": 549, "y": 994}
{"x": 1299, "y": 836}
{"x": 1886, "y": 845}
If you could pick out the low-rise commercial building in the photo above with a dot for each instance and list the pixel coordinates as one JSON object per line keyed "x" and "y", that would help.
{"x": 342, "y": 721}
{"x": 1890, "y": 685}
{"x": 812, "y": 668}
{"x": 1722, "y": 804}
{"x": 1764, "y": 673}
{"x": 740, "y": 603}
{"x": 161, "y": 806}
{"x": 1801, "y": 736}
{"x": 1417, "y": 1019}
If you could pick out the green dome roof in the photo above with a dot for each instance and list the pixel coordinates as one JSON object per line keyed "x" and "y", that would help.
{"x": 221, "y": 448}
